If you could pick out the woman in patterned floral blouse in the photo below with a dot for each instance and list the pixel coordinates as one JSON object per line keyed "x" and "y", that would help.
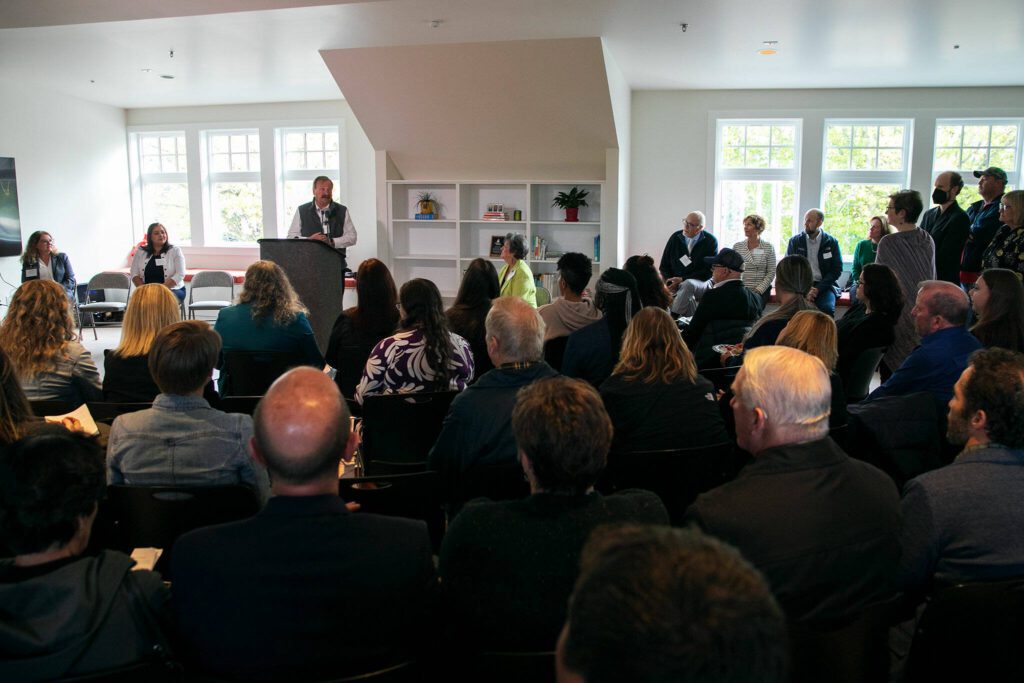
{"x": 1007, "y": 248}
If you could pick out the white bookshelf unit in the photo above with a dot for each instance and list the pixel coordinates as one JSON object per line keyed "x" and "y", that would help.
{"x": 441, "y": 249}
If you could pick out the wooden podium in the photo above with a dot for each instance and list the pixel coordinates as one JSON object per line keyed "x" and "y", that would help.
{"x": 317, "y": 272}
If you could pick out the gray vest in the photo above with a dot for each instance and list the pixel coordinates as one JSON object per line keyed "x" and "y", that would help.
{"x": 310, "y": 219}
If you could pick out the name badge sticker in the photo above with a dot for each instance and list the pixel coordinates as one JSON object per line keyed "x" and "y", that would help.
{"x": 160, "y": 262}
{"x": 685, "y": 260}
{"x": 31, "y": 272}
{"x": 827, "y": 254}
{"x": 758, "y": 252}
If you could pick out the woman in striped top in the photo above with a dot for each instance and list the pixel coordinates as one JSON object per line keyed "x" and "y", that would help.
{"x": 758, "y": 258}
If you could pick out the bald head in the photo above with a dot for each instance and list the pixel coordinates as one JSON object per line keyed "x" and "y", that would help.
{"x": 301, "y": 427}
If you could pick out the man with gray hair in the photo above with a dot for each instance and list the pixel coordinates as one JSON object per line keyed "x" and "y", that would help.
{"x": 477, "y": 431}
{"x": 940, "y": 316}
{"x": 822, "y": 527}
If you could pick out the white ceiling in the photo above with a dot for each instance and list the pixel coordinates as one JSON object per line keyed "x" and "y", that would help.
{"x": 268, "y": 50}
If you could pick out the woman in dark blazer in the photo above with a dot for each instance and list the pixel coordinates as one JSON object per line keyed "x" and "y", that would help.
{"x": 871, "y": 321}
{"x": 41, "y": 260}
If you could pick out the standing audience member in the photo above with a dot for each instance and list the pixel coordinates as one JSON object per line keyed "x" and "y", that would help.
{"x": 948, "y": 225}
{"x": 822, "y": 250}
{"x": 962, "y": 522}
{"x": 758, "y": 258}
{"x": 649, "y": 284}
{"x": 126, "y": 377}
{"x": 159, "y": 262}
{"x": 477, "y": 431}
{"x": 814, "y": 333}
{"x": 1006, "y": 250}
{"x": 984, "y": 215}
{"x": 67, "y": 614}
{"x": 571, "y": 310}
{"x": 359, "y": 328}
{"x": 15, "y": 411}
{"x": 466, "y": 317}
{"x": 939, "y": 316}
{"x": 181, "y": 440}
{"x": 516, "y": 278}
{"x": 998, "y": 299}
{"x": 683, "y": 260}
{"x": 592, "y": 351}
{"x": 866, "y": 250}
{"x": 305, "y": 590}
{"x": 871, "y": 322}
{"x": 507, "y": 568}
{"x": 42, "y": 261}
{"x": 659, "y": 604}
{"x": 425, "y": 355}
{"x": 822, "y": 527}
{"x": 39, "y": 338}
{"x": 910, "y": 252}
{"x": 655, "y": 398}
{"x": 267, "y": 317}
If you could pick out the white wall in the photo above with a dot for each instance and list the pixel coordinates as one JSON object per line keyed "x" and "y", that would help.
{"x": 618, "y": 178}
{"x": 356, "y": 189}
{"x": 672, "y": 165}
{"x": 71, "y": 160}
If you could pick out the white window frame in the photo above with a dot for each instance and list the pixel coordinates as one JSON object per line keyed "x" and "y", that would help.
{"x": 211, "y": 177}
{"x": 867, "y": 177}
{"x": 1012, "y": 175}
{"x": 284, "y": 175}
{"x": 758, "y": 174}
{"x": 140, "y": 178}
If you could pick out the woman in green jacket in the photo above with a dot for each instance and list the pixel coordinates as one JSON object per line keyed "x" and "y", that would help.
{"x": 865, "y": 251}
{"x": 515, "y": 277}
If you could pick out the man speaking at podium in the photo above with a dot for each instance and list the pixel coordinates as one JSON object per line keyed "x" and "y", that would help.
{"x": 324, "y": 219}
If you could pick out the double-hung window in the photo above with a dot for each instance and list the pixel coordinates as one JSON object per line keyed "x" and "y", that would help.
{"x": 233, "y": 186}
{"x": 306, "y": 153}
{"x": 968, "y": 145}
{"x": 162, "y": 165}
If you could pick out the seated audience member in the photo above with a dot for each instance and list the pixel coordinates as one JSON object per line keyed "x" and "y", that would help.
{"x": 126, "y": 377}
{"x": 870, "y": 322}
{"x": 758, "y": 258}
{"x": 477, "y": 431}
{"x": 655, "y": 398}
{"x": 962, "y": 522}
{"x": 814, "y": 332}
{"x": 570, "y": 311}
{"x": 726, "y": 311}
{"x": 267, "y": 317}
{"x": 515, "y": 278}
{"x": 649, "y": 284}
{"x": 359, "y": 328}
{"x": 425, "y": 355}
{"x": 39, "y": 339}
{"x": 467, "y": 315}
{"x": 64, "y": 613}
{"x": 15, "y": 411}
{"x": 507, "y": 568}
{"x": 305, "y": 590}
{"x": 939, "y": 315}
{"x": 181, "y": 440}
{"x": 592, "y": 352}
{"x": 998, "y": 300}
{"x": 659, "y": 604}
{"x": 822, "y": 527}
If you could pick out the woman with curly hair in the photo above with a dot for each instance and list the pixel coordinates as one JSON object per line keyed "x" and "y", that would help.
{"x": 655, "y": 398}
{"x": 425, "y": 355}
{"x": 758, "y": 258}
{"x": 359, "y": 328}
{"x": 998, "y": 300}
{"x": 267, "y": 317}
{"x": 466, "y": 316}
{"x": 653, "y": 291}
{"x": 39, "y": 338}
{"x": 15, "y": 412}
{"x": 126, "y": 376}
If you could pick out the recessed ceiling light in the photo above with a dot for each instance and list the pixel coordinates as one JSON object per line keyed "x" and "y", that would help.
{"x": 436, "y": 23}
{"x": 768, "y": 48}
{"x": 169, "y": 77}
{"x": 146, "y": 71}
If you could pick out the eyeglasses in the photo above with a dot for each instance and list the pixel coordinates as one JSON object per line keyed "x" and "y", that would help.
{"x": 1003, "y": 207}
{"x": 691, "y": 225}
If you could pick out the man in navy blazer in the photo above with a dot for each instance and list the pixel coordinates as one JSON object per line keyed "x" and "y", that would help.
{"x": 683, "y": 257}
{"x": 822, "y": 250}
{"x": 306, "y": 589}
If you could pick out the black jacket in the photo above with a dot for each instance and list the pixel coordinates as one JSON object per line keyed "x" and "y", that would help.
{"x": 675, "y": 248}
{"x": 725, "y": 313}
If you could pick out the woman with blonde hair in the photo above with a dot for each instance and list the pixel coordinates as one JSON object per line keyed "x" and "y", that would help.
{"x": 126, "y": 376}
{"x": 655, "y": 398}
{"x": 268, "y": 317}
{"x": 39, "y": 338}
{"x": 815, "y": 333}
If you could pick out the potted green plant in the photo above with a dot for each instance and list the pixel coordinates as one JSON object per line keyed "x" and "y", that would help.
{"x": 571, "y": 201}
{"x": 427, "y": 203}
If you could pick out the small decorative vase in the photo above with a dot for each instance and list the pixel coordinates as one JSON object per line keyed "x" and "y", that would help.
{"x": 572, "y": 215}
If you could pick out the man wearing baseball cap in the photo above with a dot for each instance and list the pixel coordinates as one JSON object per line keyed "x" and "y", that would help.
{"x": 984, "y": 215}
{"x": 725, "y": 312}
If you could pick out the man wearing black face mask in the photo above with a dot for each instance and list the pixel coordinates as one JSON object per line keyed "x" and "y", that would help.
{"x": 948, "y": 225}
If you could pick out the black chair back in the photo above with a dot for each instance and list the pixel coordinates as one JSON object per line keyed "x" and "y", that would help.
{"x": 155, "y": 516}
{"x": 106, "y": 411}
{"x": 239, "y": 404}
{"x": 415, "y": 496}
{"x": 970, "y": 632}
{"x": 504, "y": 481}
{"x": 400, "y": 429}
{"x": 554, "y": 352}
{"x": 678, "y": 476}
{"x": 250, "y": 373}
{"x": 722, "y": 378}
{"x": 42, "y": 408}
{"x": 854, "y": 652}
{"x": 858, "y": 382}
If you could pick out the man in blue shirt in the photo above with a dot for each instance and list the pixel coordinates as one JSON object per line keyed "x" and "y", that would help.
{"x": 822, "y": 250}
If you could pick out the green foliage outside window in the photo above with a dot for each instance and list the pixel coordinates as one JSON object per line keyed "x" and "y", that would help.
{"x": 848, "y": 210}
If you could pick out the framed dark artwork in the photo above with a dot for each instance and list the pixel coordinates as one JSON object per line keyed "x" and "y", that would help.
{"x": 497, "y": 242}
{"x": 10, "y": 218}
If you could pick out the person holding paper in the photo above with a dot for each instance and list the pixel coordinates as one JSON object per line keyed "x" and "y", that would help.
{"x": 158, "y": 261}
{"x": 42, "y": 261}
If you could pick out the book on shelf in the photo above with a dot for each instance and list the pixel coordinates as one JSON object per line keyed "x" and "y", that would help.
{"x": 548, "y": 281}
{"x": 540, "y": 248}
{"x": 597, "y": 247}
{"x": 425, "y": 216}
{"x": 494, "y": 216}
